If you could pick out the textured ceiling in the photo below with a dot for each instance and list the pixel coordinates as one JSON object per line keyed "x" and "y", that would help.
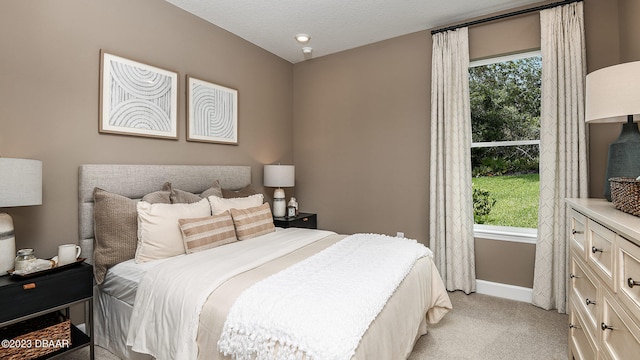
{"x": 334, "y": 25}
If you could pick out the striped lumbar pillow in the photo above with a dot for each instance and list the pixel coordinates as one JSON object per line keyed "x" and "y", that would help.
{"x": 207, "y": 232}
{"x": 253, "y": 221}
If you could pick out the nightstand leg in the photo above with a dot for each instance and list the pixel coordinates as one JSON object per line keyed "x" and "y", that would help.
{"x": 89, "y": 327}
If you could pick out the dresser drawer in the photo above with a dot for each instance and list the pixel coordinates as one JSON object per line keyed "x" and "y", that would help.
{"x": 581, "y": 345}
{"x": 600, "y": 251}
{"x": 584, "y": 293}
{"x": 628, "y": 275}
{"x": 27, "y": 296}
{"x": 620, "y": 336}
{"x": 577, "y": 229}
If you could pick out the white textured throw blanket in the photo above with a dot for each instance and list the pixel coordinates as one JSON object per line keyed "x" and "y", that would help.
{"x": 320, "y": 307}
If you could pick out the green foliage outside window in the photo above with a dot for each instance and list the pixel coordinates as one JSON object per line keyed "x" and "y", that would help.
{"x": 505, "y": 106}
{"x": 483, "y": 202}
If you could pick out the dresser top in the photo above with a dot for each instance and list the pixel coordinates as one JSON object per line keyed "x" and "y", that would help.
{"x": 602, "y": 211}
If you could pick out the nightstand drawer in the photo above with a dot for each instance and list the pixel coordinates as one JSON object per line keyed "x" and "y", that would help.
{"x": 303, "y": 220}
{"x": 27, "y": 296}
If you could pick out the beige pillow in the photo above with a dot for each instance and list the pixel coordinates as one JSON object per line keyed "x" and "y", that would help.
{"x": 220, "y": 205}
{"x": 253, "y": 222}
{"x": 159, "y": 233}
{"x": 207, "y": 232}
{"x": 244, "y": 192}
{"x": 115, "y": 229}
{"x": 184, "y": 197}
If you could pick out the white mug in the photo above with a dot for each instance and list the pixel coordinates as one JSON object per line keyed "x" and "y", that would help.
{"x": 68, "y": 253}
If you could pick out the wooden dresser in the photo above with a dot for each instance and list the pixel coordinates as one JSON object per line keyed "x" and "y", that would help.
{"x": 604, "y": 284}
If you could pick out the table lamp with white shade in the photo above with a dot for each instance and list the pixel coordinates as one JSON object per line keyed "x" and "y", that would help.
{"x": 613, "y": 95}
{"x": 279, "y": 176}
{"x": 20, "y": 185}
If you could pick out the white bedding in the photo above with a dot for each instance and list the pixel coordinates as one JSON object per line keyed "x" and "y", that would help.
{"x": 122, "y": 280}
{"x": 168, "y": 334}
{"x": 297, "y": 324}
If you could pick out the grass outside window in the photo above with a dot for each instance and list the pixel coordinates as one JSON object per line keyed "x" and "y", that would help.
{"x": 516, "y": 199}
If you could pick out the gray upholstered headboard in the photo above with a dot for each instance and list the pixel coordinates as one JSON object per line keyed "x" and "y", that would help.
{"x": 135, "y": 181}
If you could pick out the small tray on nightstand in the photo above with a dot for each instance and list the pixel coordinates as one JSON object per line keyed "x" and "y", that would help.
{"x": 46, "y": 271}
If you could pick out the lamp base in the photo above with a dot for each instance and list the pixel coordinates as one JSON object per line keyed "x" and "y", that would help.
{"x": 7, "y": 244}
{"x": 624, "y": 155}
{"x": 279, "y": 205}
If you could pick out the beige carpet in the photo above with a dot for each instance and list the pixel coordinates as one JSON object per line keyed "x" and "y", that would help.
{"x": 479, "y": 327}
{"x": 486, "y": 327}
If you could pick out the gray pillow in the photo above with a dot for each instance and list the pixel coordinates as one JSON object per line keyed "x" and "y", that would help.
{"x": 116, "y": 229}
{"x": 244, "y": 192}
{"x": 159, "y": 197}
{"x": 184, "y": 197}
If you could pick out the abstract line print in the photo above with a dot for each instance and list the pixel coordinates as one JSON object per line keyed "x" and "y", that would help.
{"x": 138, "y": 99}
{"x": 212, "y": 113}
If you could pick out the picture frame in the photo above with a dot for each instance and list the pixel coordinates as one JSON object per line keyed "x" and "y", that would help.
{"x": 212, "y": 112}
{"x": 137, "y": 99}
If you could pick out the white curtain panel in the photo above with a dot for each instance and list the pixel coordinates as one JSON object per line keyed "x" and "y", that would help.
{"x": 451, "y": 208}
{"x": 563, "y": 148}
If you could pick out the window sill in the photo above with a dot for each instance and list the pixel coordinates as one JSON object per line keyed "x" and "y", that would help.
{"x": 506, "y": 233}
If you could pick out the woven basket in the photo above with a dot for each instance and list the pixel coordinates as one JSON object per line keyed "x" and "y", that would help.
{"x": 35, "y": 337}
{"x": 625, "y": 194}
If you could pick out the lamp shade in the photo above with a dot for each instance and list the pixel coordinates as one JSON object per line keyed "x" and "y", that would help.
{"x": 613, "y": 93}
{"x": 20, "y": 182}
{"x": 279, "y": 175}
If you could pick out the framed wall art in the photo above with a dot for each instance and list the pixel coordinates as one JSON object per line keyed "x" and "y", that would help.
{"x": 212, "y": 112}
{"x": 137, "y": 99}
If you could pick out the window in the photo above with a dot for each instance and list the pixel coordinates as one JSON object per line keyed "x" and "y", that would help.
{"x": 505, "y": 125}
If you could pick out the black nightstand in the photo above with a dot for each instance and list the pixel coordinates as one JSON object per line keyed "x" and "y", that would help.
{"x": 303, "y": 220}
{"x": 25, "y": 298}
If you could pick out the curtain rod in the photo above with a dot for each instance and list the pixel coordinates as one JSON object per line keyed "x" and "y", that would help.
{"x": 503, "y": 16}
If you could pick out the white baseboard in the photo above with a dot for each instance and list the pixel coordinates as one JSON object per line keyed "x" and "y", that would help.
{"x": 506, "y": 291}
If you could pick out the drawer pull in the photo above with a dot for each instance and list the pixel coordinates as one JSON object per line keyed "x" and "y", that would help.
{"x": 574, "y": 276}
{"x": 632, "y": 282}
{"x": 305, "y": 219}
{"x": 595, "y": 249}
{"x": 589, "y": 302}
{"x": 29, "y": 286}
{"x": 574, "y": 231}
{"x": 605, "y": 327}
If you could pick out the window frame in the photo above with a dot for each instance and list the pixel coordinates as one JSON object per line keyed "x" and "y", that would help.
{"x": 497, "y": 232}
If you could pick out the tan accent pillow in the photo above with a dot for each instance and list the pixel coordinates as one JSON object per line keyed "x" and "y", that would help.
{"x": 244, "y": 192}
{"x": 220, "y": 205}
{"x": 207, "y": 232}
{"x": 115, "y": 230}
{"x": 184, "y": 197}
{"x": 253, "y": 222}
{"x": 159, "y": 234}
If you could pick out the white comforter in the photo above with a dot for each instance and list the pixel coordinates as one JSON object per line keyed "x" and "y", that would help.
{"x": 164, "y": 322}
{"x": 282, "y": 317}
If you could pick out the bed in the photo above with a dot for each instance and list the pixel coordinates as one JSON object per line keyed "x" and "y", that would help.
{"x": 417, "y": 300}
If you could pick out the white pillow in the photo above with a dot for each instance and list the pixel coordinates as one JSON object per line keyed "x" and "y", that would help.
{"x": 159, "y": 233}
{"x": 220, "y": 205}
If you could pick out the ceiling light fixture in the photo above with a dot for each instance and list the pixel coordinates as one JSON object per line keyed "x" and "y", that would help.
{"x": 307, "y": 50}
{"x": 302, "y": 38}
